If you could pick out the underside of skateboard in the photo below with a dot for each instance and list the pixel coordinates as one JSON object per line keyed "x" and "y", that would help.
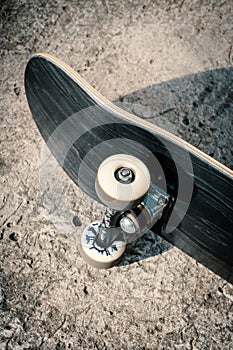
{"x": 147, "y": 178}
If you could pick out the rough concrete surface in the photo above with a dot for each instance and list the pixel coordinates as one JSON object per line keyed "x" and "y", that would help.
{"x": 169, "y": 61}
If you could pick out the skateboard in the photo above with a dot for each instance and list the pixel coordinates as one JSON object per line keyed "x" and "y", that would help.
{"x": 148, "y": 178}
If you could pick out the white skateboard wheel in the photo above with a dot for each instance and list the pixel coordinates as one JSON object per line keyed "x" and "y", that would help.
{"x": 111, "y": 188}
{"x": 101, "y": 258}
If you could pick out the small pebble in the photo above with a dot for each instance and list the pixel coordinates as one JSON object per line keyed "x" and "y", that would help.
{"x": 13, "y": 237}
{"x": 17, "y": 90}
{"x": 77, "y": 221}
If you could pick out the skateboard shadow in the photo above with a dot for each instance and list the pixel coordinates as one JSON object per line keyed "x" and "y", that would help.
{"x": 148, "y": 245}
{"x": 198, "y": 108}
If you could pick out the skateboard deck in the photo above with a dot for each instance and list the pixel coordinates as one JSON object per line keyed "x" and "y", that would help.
{"x": 82, "y": 129}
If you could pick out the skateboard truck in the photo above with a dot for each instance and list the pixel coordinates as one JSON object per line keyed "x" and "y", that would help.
{"x": 103, "y": 243}
{"x": 128, "y": 224}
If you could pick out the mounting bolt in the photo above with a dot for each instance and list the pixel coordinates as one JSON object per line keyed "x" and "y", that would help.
{"x": 161, "y": 201}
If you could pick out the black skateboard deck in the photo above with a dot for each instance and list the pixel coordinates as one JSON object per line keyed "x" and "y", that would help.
{"x": 82, "y": 129}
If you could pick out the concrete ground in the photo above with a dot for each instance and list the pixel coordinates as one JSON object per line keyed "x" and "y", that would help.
{"x": 170, "y": 61}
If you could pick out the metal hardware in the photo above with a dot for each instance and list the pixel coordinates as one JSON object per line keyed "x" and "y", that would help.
{"x": 127, "y": 225}
{"x": 124, "y": 175}
{"x": 134, "y": 222}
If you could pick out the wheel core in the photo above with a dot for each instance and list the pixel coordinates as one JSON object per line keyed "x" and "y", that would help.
{"x": 122, "y": 181}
